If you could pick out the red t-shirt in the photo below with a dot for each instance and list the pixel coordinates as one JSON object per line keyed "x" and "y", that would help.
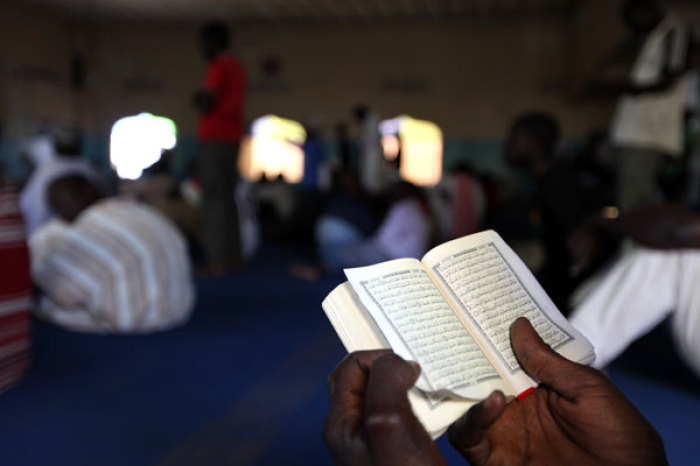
{"x": 227, "y": 80}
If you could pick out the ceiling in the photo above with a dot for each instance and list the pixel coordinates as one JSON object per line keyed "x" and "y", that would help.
{"x": 280, "y": 10}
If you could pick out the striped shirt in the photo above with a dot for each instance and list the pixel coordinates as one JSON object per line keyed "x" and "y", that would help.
{"x": 15, "y": 291}
{"x": 121, "y": 267}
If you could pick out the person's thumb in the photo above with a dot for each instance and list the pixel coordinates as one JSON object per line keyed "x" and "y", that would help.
{"x": 545, "y": 365}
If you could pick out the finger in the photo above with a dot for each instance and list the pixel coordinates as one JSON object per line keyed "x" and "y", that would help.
{"x": 468, "y": 433}
{"x": 346, "y": 389}
{"x": 387, "y": 409}
{"x": 390, "y": 426}
{"x": 544, "y": 364}
{"x": 350, "y": 375}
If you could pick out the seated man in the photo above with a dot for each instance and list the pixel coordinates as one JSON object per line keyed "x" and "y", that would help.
{"x": 109, "y": 266}
{"x": 404, "y": 232}
{"x": 646, "y": 285}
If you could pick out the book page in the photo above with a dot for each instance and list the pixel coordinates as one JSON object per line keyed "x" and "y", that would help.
{"x": 420, "y": 325}
{"x": 358, "y": 332}
{"x": 490, "y": 288}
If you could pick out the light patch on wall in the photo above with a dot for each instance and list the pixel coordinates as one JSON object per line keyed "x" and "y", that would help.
{"x": 419, "y": 144}
{"x": 137, "y": 142}
{"x": 273, "y": 150}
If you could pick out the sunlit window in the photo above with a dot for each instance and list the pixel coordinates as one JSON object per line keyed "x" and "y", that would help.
{"x": 273, "y": 149}
{"x": 137, "y": 142}
{"x": 420, "y": 145}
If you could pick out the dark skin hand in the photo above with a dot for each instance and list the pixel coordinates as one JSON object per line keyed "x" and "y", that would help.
{"x": 662, "y": 227}
{"x": 575, "y": 417}
{"x": 666, "y": 226}
{"x": 370, "y": 421}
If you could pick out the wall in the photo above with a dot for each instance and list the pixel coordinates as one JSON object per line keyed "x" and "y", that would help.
{"x": 135, "y": 69}
{"x": 474, "y": 75}
{"x": 34, "y": 69}
{"x": 471, "y": 77}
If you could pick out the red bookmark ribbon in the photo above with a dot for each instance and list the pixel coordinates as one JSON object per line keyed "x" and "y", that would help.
{"x": 526, "y": 393}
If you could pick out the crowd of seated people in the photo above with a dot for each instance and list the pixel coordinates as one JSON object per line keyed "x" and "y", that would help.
{"x": 586, "y": 207}
{"x": 99, "y": 264}
{"x": 353, "y": 232}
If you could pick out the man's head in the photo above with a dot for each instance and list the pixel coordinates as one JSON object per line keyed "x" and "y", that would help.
{"x": 70, "y": 195}
{"x": 213, "y": 39}
{"x": 532, "y": 141}
{"x": 642, "y": 16}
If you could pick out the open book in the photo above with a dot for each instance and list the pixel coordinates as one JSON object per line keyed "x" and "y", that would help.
{"x": 452, "y": 312}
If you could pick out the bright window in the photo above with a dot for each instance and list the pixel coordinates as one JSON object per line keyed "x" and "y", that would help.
{"x": 137, "y": 142}
{"x": 273, "y": 150}
{"x": 420, "y": 144}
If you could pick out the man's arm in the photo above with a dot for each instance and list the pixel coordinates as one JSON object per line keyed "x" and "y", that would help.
{"x": 619, "y": 64}
{"x": 204, "y": 100}
{"x": 613, "y": 87}
{"x": 658, "y": 227}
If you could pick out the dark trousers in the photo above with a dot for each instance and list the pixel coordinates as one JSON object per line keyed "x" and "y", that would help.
{"x": 219, "y": 175}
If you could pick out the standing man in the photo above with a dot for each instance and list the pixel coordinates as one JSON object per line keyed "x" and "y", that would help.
{"x": 220, "y": 104}
{"x": 371, "y": 165}
{"x": 649, "y": 121}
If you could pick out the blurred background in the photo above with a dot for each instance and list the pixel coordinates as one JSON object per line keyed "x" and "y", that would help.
{"x": 363, "y": 124}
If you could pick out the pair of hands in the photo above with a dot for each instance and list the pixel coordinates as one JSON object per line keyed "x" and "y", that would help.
{"x": 575, "y": 416}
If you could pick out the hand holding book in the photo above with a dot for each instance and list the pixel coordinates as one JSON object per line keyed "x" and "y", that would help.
{"x": 575, "y": 417}
{"x": 370, "y": 419}
{"x": 451, "y": 312}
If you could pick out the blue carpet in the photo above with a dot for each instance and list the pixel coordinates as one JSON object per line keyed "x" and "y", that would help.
{"x": 243, "y": 383}
{"x": 665, "y": 390}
